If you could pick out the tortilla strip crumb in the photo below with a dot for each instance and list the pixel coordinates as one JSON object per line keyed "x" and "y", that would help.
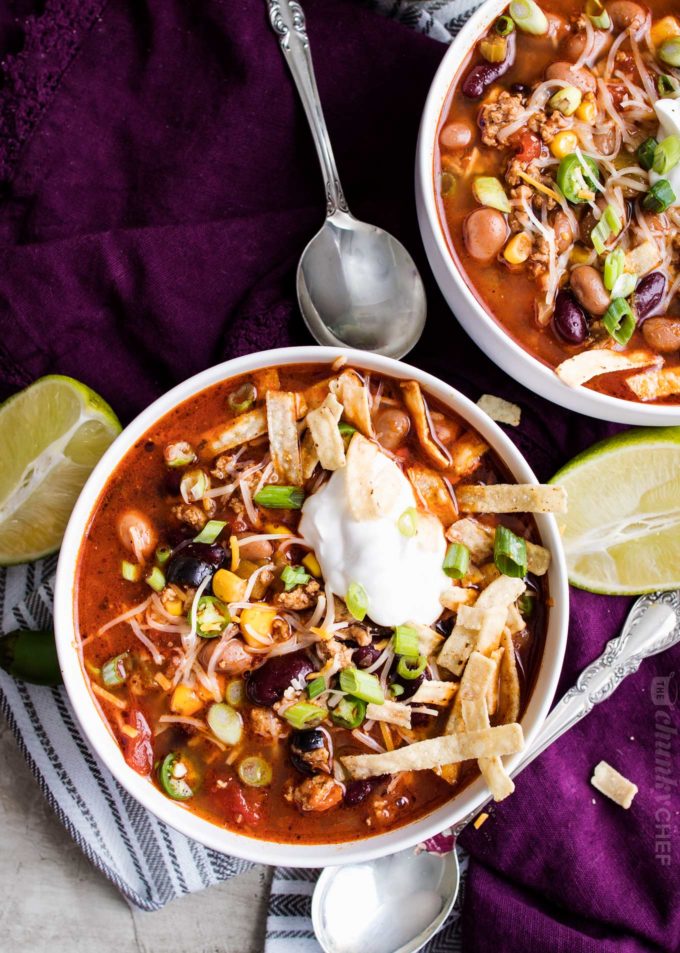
{"x": 434, "y": 493}
{"x": 372, "y": 486}
{"x": 653, "y": 385}
{"x": 432, "y": 692}
{"x": 508, "y": 682}
{"x": 457, "y": 596}
{"x": 284, "y": 445}
{"x": 502, "y": 411}
{"x": 428, "y": 754}
{"x": 393, "y": 713}
{"x": 613, "y": 785}
{"x": 324, "y": 436}
{"x": 512, "y": 498}
{"x": 476, "y": 718}
{"x": 243, "y": 428}
{"x": 428, "y": 640}
{"x": 480, "y": 819}
{"x": 353, "y": 394}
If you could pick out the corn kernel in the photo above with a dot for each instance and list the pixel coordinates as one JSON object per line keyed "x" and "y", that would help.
{"x": 587, "y": 111}
{"x": 185, "y": 701}
{"x": 256, "y": 624}
{"x": 579, "y": 255}
{"x": 311, "y": 563}
{"x": 227, "y": 586}
{"x": 277, "y": 528}
{"x": 664, "y": 29}
{"x": 564, "y": 143}
{"x": 235, "y": 553}
{"x": 518, "y": 248}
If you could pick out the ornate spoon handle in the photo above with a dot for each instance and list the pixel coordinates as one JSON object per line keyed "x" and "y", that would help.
{"x": 651, "y": 627}
{"x": 288, "y": 21}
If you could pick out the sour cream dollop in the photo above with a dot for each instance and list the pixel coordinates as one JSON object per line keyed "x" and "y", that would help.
{"x": 402, "y": 575}
{"x": 668, "y": 114}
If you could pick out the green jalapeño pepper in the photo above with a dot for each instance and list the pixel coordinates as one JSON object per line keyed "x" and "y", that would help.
{"x": 576, "y": 182}
{"x": 172, "y": 779}
{"x": 212, "y": 617}
{"x": 30, "y": 656}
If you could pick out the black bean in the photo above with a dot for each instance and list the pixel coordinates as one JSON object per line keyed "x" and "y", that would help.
{"x": 410, "y": 685}
{"x": 304, "y": 751}
{"x": 358, "y": 791}
{"x": 648, "y": 295}
{"x": 188, "y": 571}
{"x": 483, "y": 75}
{"x": 365, "y": 656}
{"x": 569, "y": 321}
{"x": 266, "y": 685}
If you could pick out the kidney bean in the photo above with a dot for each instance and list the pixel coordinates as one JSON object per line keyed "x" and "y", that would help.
{"x": 266, "y": 685}
{"x": 588, "y": 287}
{"x": 358, "y": 791}
{"x": 648, "y": 294}
{"x": 483, "y": 75}
{"x": 484, "y": 233}
{"x": 662, "y": 334}
{"x": 569, "y": 321}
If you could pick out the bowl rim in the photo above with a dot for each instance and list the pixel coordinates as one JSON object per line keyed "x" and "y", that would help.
{"x": 515, "y": 360}
{"x": 99, "y": 735}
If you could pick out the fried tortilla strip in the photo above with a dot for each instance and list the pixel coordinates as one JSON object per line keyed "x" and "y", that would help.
{"x": 501, "y": 592}
{"x": 538, "y": 559}
{"x": 475, "y": 628}
{"x": 508, "y": 687}
{"x": 283, "y": 436}
{"x": 502, "y": 411}
{"x": 372, "y": 485}
{"x": 428, "y": 640}
{"x": 466, "y": 454}
{"x": 512, "y": 498}
{"x": 607, "y": 780}
{"x": 323, "y": 432}
{"x": 267, "y": 378}
{"x": 431, "y": 692}
{"x": 492, "y": 694}
{"x": 457, "y": 596}
{"x": 434, "y": 493}
{"x": 515, "y": 621}
{"x": 653, "y": 385}
{"x": 476, "y": 718}
{"x": 476, "y": 681}
{"x": 642, "y": 259}
{"x": 582, "y": 367}
{"x": 392, "y": 713}
{"x": 424, "y": 755}
{"x": 477, "y": 536}
{"x": 243, "y": 428}
{"x": 435, "y": 452}
{"x": 354, "y": 396}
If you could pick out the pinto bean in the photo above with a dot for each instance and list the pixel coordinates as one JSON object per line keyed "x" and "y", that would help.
{"x": 573, "y": 45}
{"x": 564, "y": 235}
{"x": 391, "y": 427}
{"x": 662, "y": 334}
{"x": 589, "y": 290}
{"x": 136, "y": 533}
{"x": 625, "y": 13}
{"x": 455, "y": 135}
{"x": 484, "y": 233}
{"x": 258, "y": 549}
{"x": 582, "y": 78}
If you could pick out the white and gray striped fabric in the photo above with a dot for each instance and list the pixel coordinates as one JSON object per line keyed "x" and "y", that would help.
{"x": 147, "y": 861}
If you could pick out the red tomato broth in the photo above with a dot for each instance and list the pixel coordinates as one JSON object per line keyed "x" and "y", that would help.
{"x": 142, "y": 481}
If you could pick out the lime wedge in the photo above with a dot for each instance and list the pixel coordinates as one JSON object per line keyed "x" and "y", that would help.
{"x": 51, "y": 434}
{"x": 622, "y": 532}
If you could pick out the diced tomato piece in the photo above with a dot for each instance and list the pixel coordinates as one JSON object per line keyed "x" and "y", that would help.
{"x": 138, "y": 751}
{"x": 529, "y": 147}
{"x": 241, "y": 805}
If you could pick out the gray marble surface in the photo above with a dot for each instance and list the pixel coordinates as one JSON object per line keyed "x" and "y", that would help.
{"x": 54, "y": 901}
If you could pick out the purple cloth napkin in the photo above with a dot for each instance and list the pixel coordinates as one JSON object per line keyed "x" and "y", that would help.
{"x": 158, "y": 184}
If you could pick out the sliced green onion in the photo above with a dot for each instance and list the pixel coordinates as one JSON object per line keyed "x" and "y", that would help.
{"x": 179, "y": 454}
{"x": 529, "y": 17}
{"x": 255, "y": 772}
{"x": 235, "y": 693}
{"x": 624, "y": 286}
{"x": 162, "y": 554}
{"x": 660, "y": 197}
{"x": 666, "y": 155}
{"x": 504, "y": 26}
{"x": 599, "y": 236}
{"x": 602, "y": 21}
{"x": 293, "y": 576}
{"x": 510, "y": 553}
{"x": 396, "y": 689}
{"x": 242, "y": 398}
{"x": 448, "y": 184}
{"x": 303, "y": 715}
{"x": 156, "y": 579}
{"x": 210, "y": 531}
{"x": 405, "y": 641}
{"x": 613, "y": 267}
{"x": 488, "y": 191}
{"x": 526, "y": 604}
{"x": 130, "y": 571}
{"x": 357, "y": 601}
{"x": 645, "y": 153}
{"x": 610, "y": 215}
{"x": 566, "y": 100}
{"x": 666, "y": 84}
{"x": 114, "y": 672}
{"x": 193, "y": 486}
{"x": 174, "y": 786}
{"x": 225, "y": 723}
{"x": 409, "y": 668}
{"x": 619, "y": 321}
{"x": 362, "y": 685}
{"x": 275, "y": 497}
{"x": 212, "y": 617}
{"x": 577, "y": 179}
{"x": 408, "y": 522}
{"x": 456, "y": 561}
{"x": 669, "y": 51}
{"x": 317, "y": 686}
{"x": 346, "y": 430}
{"x": 349, "y": 713}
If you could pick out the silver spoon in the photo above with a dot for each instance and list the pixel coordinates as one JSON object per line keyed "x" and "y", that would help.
{"x": 386, "y": 915}
{"x": 356, "y": 284}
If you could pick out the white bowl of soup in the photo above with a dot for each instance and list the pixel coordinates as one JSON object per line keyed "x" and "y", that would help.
{"x": 546, "y": 223}
{"x": 281, "y": 571}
